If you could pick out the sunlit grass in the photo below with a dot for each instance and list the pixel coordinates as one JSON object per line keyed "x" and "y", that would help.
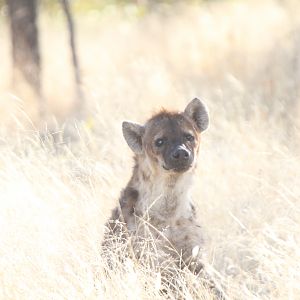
{"x": 243, "y": 59}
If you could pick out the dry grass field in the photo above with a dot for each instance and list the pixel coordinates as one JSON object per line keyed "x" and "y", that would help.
{"x": 243, "y": 59}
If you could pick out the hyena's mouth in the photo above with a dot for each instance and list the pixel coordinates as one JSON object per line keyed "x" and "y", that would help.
{"x": 178, "y": 169}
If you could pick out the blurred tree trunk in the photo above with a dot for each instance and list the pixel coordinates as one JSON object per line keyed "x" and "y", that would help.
{"x": 25, "y": 44}
{"x": 79, "y": 101}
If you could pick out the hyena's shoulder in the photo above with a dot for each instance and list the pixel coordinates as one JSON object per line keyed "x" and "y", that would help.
{"x": 125, "y": 210}
{"x": 122, "y": 218}
{"x": 127, "y": 201}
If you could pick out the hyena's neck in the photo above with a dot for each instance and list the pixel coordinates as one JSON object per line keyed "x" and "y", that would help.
{"x": 162, "y": 195}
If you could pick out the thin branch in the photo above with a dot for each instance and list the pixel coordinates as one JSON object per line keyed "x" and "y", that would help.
{"x": 75, "y": 61}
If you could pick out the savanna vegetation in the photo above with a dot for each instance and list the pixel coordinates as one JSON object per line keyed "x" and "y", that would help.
{"x": 59, "y": 178}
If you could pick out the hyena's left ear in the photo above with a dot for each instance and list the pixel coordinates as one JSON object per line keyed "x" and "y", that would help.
{"x": 197, "y": 111}
{"x": 133, "y": 133}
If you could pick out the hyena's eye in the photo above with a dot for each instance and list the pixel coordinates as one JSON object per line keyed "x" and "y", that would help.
{"x": 159, "y": 142}
{"x": 189, "y": 137}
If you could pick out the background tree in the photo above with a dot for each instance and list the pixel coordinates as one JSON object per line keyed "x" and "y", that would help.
{"x": 79, "y": 101}
{"x": 25, "y": 44}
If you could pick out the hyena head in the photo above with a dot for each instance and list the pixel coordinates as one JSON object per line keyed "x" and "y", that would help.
{"x": 169, "y": 141}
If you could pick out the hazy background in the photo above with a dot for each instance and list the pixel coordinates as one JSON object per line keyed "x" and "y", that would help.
{"x": 56, "y": 189}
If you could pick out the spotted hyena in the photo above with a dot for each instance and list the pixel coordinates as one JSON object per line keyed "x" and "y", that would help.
{"x": 156, "y": 202}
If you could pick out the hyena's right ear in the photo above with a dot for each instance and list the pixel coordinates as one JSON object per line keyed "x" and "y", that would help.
{"x": 133, "y": 133}
{"x": 197, "y": 111}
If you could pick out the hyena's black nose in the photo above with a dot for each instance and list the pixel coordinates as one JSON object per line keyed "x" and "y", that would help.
{"x": 180, "y": 153}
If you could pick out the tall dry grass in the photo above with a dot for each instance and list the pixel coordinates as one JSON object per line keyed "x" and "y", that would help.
{"x": 243, "y": 59}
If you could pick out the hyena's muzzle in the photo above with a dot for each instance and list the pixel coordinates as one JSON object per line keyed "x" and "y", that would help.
{"x": 179, "y": 158}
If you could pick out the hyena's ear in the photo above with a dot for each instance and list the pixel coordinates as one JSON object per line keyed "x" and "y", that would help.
{"x": 197, "y": 111}
{"x": 133, "y": 133}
